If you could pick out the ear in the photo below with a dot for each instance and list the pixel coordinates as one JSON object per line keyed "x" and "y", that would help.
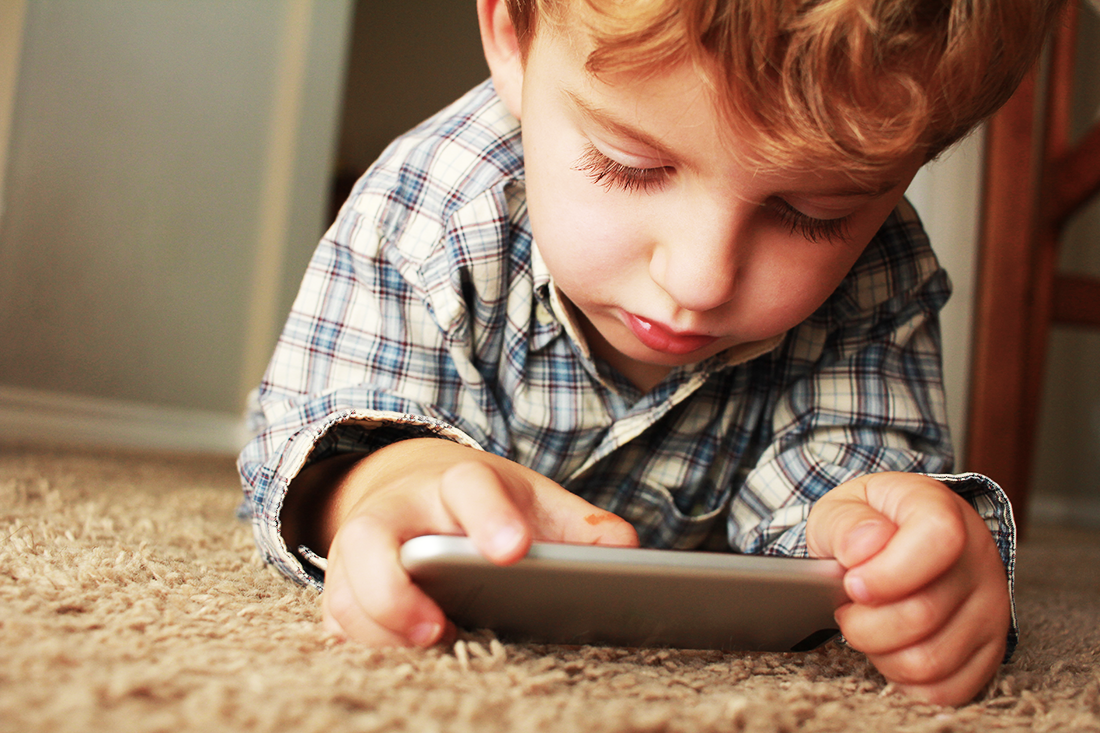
{"x": 498, "y": 39}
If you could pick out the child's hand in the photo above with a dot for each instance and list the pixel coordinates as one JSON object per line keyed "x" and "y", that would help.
{"x": 431, "y": 486}
{"x": 930, "y": 597}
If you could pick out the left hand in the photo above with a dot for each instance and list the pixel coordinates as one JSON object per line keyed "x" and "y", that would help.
{"x": 930, "y": 604}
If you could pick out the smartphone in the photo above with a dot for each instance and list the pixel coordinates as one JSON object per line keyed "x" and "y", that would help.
{"x": 590, "y": 594}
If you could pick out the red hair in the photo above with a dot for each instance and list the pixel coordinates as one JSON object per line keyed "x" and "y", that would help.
{"x": 859, "y": 83}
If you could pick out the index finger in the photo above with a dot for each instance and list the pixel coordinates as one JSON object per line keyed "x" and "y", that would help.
{"x": 503, "y": 506}
{"x": 476, "y": 496}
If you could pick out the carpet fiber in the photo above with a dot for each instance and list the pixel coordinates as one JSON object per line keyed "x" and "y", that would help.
{"x": 132, "y": 600}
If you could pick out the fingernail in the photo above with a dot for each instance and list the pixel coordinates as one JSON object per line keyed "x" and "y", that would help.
{"x": 856, "y": 588}
{"x": 862, "y": 530}
{"x": 424, "y": 634}
{"x": 506, "y": 539}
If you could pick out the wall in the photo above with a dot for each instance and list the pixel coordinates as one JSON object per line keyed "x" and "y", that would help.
{"x": 947, "y": 194}
{"x": 167, "y": 174}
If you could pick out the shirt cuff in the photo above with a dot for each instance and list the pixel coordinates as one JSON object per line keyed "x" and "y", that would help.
{"x": 993, "y": 506}
{"x": 347, "y": 431}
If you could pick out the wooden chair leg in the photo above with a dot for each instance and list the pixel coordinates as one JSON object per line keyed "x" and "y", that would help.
{"x": 997, "y": 432}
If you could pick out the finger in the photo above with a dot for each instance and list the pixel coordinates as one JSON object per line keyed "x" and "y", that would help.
{"x": 341, "y": 616}
{"x": 931, "y": 536}
{"x": 566, "y": 517}
{"x": 847, "y": 528}
{"x": 486, "y": 509}
{"x": 557, "y": 514}
{"x": 893, "y": 626}
{"x": 503, "y": 508}
{"x": 962, "y": 686}
{"x": 981, "y": 622}
{"x": 378, "y": 604}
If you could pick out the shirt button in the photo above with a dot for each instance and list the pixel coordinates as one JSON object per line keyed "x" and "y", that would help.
{"x": 544, "y": 316}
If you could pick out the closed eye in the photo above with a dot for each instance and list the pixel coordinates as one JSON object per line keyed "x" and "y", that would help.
{"x": 611, "y": 174}
{"x": 809, "y": 227}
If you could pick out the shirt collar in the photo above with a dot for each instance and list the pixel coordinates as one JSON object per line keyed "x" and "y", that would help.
{"x": 554, "y": 301}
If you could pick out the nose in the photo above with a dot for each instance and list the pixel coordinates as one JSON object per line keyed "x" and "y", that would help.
{"x": 699, "y": 256}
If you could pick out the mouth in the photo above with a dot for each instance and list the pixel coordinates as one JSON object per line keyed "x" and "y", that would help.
{"x": 658, "y": 337}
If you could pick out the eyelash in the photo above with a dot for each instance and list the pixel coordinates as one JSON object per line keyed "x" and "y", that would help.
{"x": 608, "y": 173}
{"x": 808, "y": 227}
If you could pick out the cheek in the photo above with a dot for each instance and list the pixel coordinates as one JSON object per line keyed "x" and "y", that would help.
{"x": 791, "y": 287}
{"x": 577, "y": 229}
{"x": 580, "y": 254}
{"x": 795, "y": 276}
{"x": 806, "y": 274}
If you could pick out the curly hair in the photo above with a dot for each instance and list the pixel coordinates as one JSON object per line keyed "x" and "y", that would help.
{"x": 851, "y": 82}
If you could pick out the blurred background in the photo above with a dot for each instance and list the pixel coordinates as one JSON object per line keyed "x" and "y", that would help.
{"x": 167, "y": 166}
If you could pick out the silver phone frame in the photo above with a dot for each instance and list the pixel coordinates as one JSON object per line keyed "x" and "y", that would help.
{"x": 591, "y": 594}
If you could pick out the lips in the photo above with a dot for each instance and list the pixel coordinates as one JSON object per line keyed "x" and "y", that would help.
{"x": 658, "y": 337}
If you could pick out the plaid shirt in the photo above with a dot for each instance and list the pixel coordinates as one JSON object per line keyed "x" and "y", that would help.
{"x": 427, "y": 310}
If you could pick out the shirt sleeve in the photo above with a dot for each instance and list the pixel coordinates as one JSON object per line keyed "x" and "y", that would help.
{"x": 362, "y": 362}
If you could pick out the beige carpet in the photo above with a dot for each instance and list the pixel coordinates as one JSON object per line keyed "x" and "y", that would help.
{"x": 132, "y": 600}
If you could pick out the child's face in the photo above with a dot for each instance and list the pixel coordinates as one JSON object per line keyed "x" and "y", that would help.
{"x": 670, "y": 249}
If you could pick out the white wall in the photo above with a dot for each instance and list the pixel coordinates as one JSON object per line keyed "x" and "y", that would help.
{"x": 168, "y": 165}
{"x": 947, "y": 195}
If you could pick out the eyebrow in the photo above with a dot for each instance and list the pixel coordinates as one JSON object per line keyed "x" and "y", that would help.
{"x": 611, "y": 123}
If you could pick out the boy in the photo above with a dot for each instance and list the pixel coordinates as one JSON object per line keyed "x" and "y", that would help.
{"x": 690, "y": 307}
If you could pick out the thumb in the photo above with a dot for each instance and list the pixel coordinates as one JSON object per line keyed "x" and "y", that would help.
{"x": 844, "y": 526}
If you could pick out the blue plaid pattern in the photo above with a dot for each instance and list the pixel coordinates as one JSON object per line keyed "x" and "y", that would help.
{"x": 426, "y": 310}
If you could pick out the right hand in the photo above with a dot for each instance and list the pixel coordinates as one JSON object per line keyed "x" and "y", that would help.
{"x": 431, "y": 486}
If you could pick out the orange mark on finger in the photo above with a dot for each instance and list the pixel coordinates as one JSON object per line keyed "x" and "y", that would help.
{"x": 595, "y": 519}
